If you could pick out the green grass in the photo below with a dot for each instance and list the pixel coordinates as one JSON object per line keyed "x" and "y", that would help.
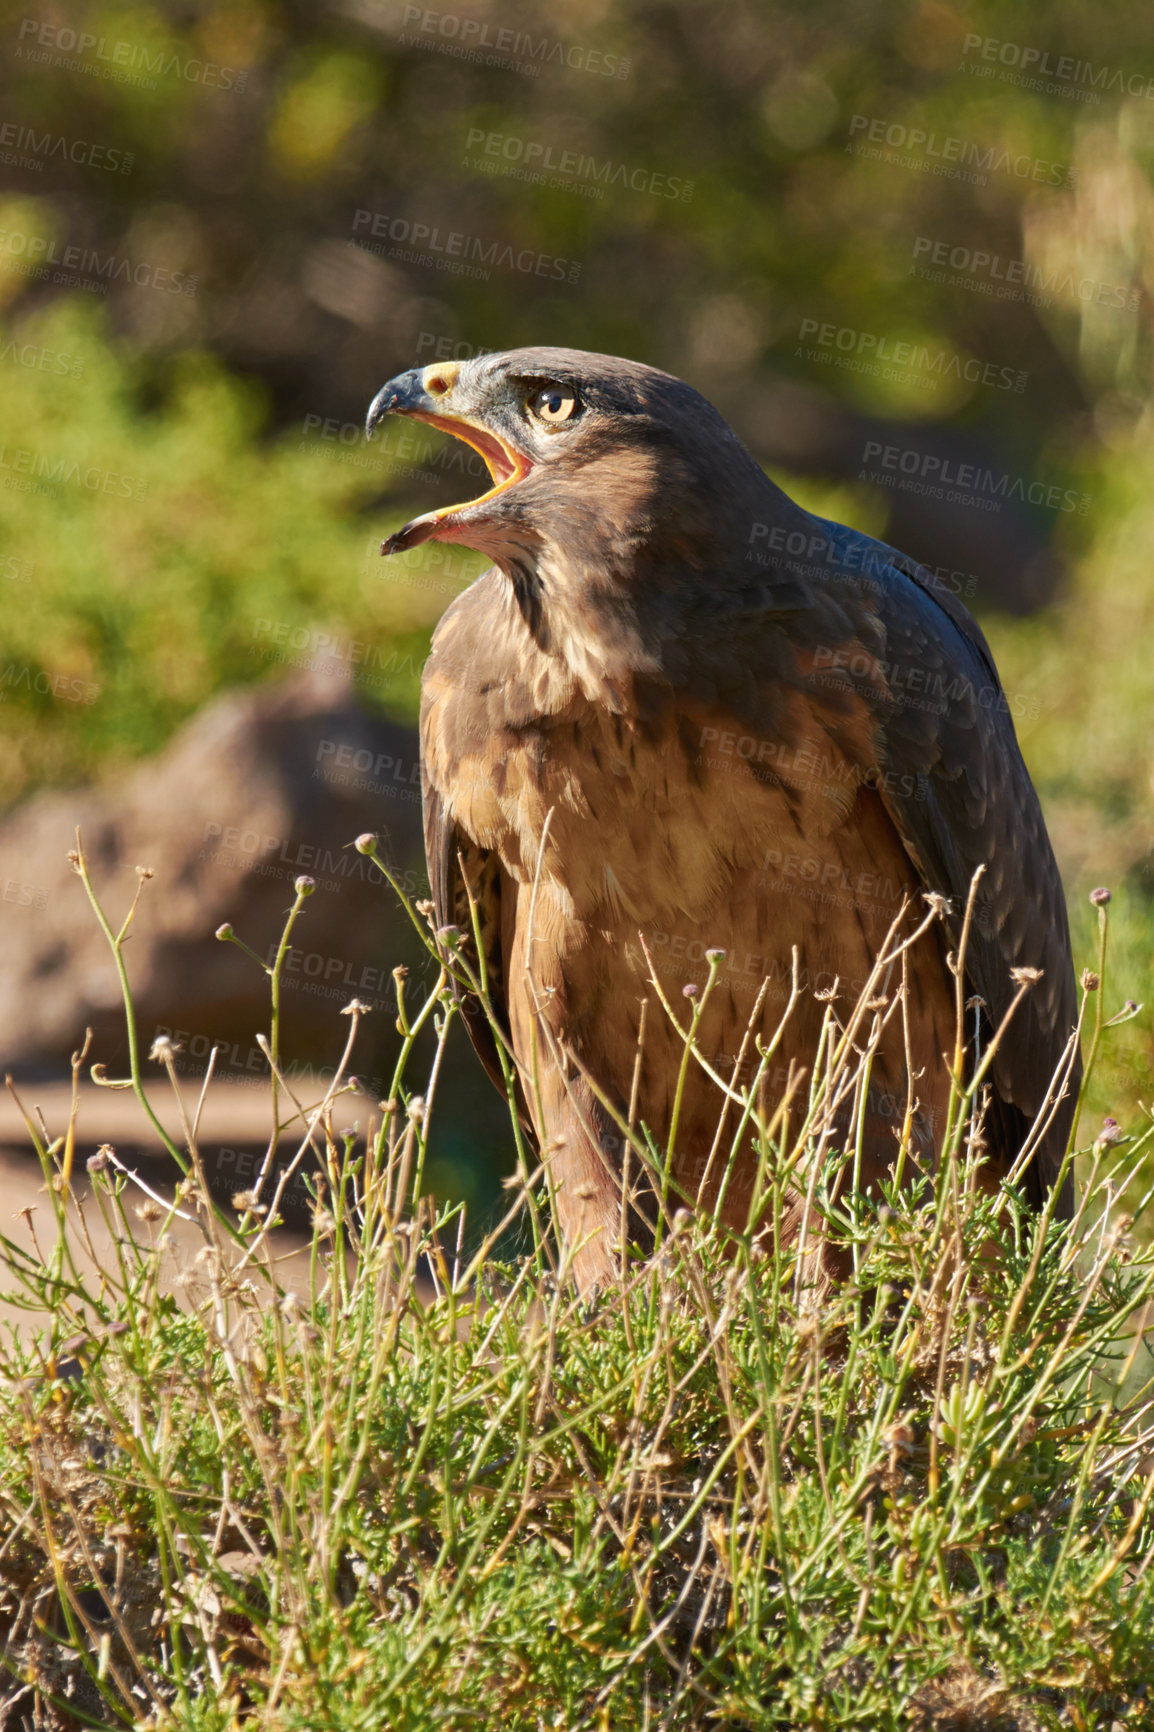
{"x": 438, "y": 1489}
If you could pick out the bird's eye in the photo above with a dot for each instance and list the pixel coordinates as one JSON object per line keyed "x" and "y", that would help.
{"x": 553, "y": 404}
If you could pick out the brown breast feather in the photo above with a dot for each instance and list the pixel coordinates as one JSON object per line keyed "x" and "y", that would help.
{"x": 665, "y": 835}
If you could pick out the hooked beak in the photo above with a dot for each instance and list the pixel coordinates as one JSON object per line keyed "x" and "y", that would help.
{"x": 419, "y": 394}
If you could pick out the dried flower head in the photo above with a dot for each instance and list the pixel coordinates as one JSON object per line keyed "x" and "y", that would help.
{"x": 1100, "y": 897}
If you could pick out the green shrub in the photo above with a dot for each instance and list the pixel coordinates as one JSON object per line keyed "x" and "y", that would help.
{"x": 181, "y": 555}
{"x": 440, "y": 1490}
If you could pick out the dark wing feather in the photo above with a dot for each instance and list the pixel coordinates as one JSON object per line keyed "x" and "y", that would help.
{"x": 462, "y": 711}
{"x": 447, "y": 849}
{"x": 959, "y": 793}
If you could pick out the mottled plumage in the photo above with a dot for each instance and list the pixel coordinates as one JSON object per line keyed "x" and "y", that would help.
{"x": 682, "y": 713}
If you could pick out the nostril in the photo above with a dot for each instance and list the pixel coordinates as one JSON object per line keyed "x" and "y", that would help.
{"x": 437, "y": 385}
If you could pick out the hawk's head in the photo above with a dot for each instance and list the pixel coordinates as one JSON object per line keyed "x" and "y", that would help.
{"x": 598, "y": 464}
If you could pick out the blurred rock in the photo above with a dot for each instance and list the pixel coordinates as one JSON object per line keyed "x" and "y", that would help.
{"x": 264, "y": 784}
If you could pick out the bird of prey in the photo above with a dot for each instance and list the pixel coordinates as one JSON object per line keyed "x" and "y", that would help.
{"x": 682, "y": 715}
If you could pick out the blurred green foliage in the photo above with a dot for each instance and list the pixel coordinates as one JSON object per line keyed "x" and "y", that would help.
{"x": 157, "y": 554}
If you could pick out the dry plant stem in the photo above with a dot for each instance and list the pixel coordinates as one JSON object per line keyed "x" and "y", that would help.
{"x": 142, "y": 1185}
{"x": 57, "y": 1188}
{"x": 689, "y": 1044}
{"x": 275, "y": 974}
{"x": 747, "y": 1039}
{"x": 1099, "y": 1015}
{"x": 960, "y": 973}
{"x": 116, "y": 945}
{"x": 310, "y": 1117}
{"x": 78, "y": 1059}
{"x": 1057, "y": 1090}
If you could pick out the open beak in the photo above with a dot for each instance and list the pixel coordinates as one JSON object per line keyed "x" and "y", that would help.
{"x": 418, "y": 394}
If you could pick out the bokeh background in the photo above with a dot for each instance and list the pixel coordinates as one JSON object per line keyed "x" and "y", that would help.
{"x": 905, "y": 247}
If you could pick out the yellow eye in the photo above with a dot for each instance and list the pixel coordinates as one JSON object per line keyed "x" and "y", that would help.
{"x": 553, "y": 404}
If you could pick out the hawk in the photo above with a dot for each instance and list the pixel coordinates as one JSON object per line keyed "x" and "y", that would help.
{"x": 683, "y": 728}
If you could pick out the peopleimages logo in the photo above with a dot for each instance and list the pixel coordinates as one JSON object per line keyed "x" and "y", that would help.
{"x": 24, "y": 147}
{"x": 1038, "y": 69}
{"x": 866, "y": 351}
{"x": 944, "y": 154}
{"x": 84, "y": 268}
{"x": 543, "y": 164}
{"x": 118, "y": 61}
{"x": 935, "y": 477}
{"x": 846, "y": 558}
{"x": 40, "y": 359}
{"x": 453, "y": 250}
{"x": 28, "y": 470}
{"x": 70, "y": 689}
{"x": 477, "y": 40}
{"x": 1014, "y": 279}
